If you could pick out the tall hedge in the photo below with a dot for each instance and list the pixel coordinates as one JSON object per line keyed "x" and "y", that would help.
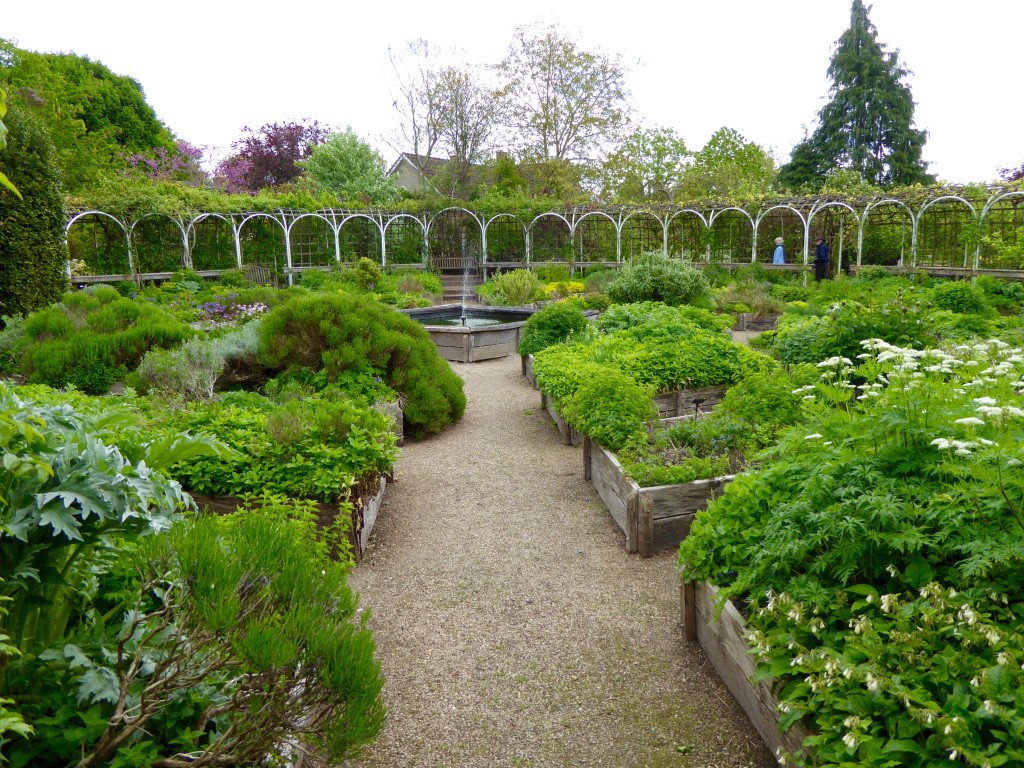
{"x": 33, "y": 253}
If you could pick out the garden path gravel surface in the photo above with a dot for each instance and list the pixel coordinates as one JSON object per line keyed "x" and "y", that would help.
{"x": 512, "y": 628}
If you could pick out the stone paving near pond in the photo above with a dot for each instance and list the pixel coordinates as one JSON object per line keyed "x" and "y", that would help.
{"x": 512, "y": 628}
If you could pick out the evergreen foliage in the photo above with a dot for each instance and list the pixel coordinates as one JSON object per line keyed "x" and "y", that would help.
{"x": 656, "y": 278}
{"x": 868, "y": 123}
{"x": 553, "y": 324}
{"x": 33, "y": 254}
{"x": 344, "y": 331}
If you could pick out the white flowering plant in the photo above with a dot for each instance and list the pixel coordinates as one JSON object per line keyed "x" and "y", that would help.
{"x": 882, "y": 555}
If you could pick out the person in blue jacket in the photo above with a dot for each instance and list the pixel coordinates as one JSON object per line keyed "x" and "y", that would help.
{"x": 779, "y": 257}
{"x": 822, "y": 256}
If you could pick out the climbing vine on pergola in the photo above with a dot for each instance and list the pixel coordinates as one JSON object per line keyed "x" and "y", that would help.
{"x": 947, "y": 231}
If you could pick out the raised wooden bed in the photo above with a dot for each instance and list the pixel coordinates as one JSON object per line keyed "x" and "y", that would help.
{"x": 653, "y": 518}
{"x": 723, "y": 641}
{"x": 747, "y": 321}
{"x": 364, "y": 513}
{"x": 685, "y": 402}
{"x": 528, "y": 370}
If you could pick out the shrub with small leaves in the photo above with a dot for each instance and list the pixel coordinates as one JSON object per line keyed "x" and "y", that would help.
{"x": 552, "y": 324}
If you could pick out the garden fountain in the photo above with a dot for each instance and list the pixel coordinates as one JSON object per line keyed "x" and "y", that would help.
{"x": 464, "y": 333}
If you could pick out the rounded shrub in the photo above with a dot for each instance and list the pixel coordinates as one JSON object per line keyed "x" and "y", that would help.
{"x": 340, "y": 332}
{"x": 552, "y": 324}
{"x": 960, "y": 296}
{"x": 656, "y": 278}
{"x": 612, "y": 409}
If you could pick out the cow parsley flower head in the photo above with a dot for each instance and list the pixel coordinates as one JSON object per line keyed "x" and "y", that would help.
{"x": 970, "y": 421}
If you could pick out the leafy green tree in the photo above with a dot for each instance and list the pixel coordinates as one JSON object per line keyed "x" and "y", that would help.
{"x": 868, "y": 123}
{"x": 560, "y": 101}
{"x": 646, "y": 166}
{"x": 95, "y": 118}
{"x": 350, "y": 168}
{"x": 727, "y": 166}
{"x": 3, "y": 141}
{"x": 33, "y": 254}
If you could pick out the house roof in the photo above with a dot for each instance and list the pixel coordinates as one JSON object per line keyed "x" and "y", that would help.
{"x": 427, "y": 166}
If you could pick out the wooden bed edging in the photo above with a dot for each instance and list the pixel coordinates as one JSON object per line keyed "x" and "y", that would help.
{"x": 748, "y": 321}
{"x": 364, "y": 513}
{"x": 652, "y": 518}
{"x": 723, "y": 641}
{"x": 670, "y": 405}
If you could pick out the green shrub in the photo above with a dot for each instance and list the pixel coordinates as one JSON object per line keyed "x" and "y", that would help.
{"x": 1001, "y": 294}
{"x": 655, "y": 278}
{"x": 189, "y": 371}
{"x": 839, "y": 333}
{"x": 960, "y": 296}
{"x": 612, "y": 409}
{"x": 598, "y": 279}
{"x": 953, "y": 326}
{"x": 33, "y": 251}
{"x": 13, "y": 339}
{"x": 622, "y": 316}
{"x": 341, "y": 332}
{"x": 873, "y": 273}
{"x": 232, "y": 278}
{"x": 552, "y": 324}
{"x": 512, "y": 289}
{"x": 314, "y": 279}
{"x": 552, "y": 273}
{"x": 92, "y": 340}
{"x": 367, "y": 272}
{"x": 788, "y": 293}
{"x": 879, "y": 557}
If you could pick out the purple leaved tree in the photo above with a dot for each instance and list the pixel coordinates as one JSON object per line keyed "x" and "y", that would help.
{"x": 268, "y": 157}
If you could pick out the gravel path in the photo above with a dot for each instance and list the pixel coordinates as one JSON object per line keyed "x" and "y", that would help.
{"x": 512, "y": 628}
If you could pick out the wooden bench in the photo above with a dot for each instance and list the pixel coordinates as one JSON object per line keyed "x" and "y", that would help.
{"x": 257, "y": 274}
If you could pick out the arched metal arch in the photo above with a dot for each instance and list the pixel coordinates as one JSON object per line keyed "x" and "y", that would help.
{"x": 384, "y": 232}
{"x": 716, "y": 213}
{"x": 325, "y": 220}
{"x": 476, "y": 218}
{"x": 920, "y": 214}
{"x": 864, "y": 220}
{"x": 284, "y": 230}
{"x": 121, "y": 224}
{"x": 487, "y": 223}
{"x": 816, "y": 209}
{"x": 985, "y": 211}
{"x": 760, "y": 217}
{"x": 186, "y": 256}
{"x": 699, "y": 215}
{"x": 529, "y": 232}
{"x": 635, "y": 214}
{"x": 616, "y": 224}
{"x": 381, "y": 229}
{"x": 190, "y": 230}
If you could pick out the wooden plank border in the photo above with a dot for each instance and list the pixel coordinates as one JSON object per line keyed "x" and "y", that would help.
{"x": 652, "y": 518}
{"x": 723, "y": 640}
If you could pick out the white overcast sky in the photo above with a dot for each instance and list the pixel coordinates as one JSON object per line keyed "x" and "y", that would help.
{"x": 210, "y": 68}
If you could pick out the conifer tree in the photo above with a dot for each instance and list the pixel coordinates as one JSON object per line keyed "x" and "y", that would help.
{"x": 868, "y": 124}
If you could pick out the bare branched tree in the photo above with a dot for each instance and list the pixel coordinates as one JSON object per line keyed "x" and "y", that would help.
{"x": 564, "y": 103}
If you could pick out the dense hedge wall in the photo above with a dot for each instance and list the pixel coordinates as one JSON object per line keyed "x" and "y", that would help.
{"x": 32, "y": 249}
